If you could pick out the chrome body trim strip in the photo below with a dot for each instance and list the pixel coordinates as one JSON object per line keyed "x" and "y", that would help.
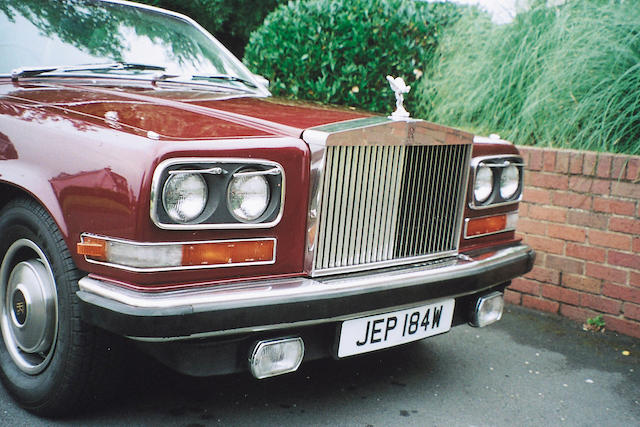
{"x": 280, "y": 291}
{"x": 179, "y": 268}
{"x": 300, "y": 324}
{"x": 383, "y": 264}
{"x": 317, "y": 160}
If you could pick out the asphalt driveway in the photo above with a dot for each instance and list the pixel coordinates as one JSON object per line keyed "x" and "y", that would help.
{"x": 529, "y": 369}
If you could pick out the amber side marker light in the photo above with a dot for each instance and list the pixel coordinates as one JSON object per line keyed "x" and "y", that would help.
{"x": 476, "y": 227}
{"x": 170, "y": 256}
{"x": 93, "y": 248}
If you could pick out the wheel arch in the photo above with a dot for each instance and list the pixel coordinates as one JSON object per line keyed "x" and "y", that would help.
{"x": 42, "y": 195}
{"x": 48, "y": 375}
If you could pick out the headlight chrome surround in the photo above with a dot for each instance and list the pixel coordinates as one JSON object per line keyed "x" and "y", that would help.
{"x": 507, "y": 173}
{"x": 217, "y": 173}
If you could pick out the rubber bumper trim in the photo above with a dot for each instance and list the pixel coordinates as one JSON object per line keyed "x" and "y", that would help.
{"x": 277, "y": 304}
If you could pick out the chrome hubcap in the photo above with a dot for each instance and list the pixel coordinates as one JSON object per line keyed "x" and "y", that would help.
{"x": 29, "y": 316}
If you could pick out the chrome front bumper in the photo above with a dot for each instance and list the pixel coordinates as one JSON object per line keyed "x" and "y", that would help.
{"x": 262, "y": 305}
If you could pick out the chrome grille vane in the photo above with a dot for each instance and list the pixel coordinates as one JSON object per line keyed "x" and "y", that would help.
{"x": 385, "y": 205}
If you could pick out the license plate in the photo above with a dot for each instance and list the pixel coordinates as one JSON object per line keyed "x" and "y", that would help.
{"x": 390, "y": 329}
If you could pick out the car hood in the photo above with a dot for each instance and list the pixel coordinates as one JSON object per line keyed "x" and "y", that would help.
{"x": 175, "y": 113}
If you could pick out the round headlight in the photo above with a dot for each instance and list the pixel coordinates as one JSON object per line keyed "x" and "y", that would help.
{"x": 483, "y": 185}
{"x": 248, "y": 197}
{"x": 509, "y": 181}
{"x": 184, "y": 196}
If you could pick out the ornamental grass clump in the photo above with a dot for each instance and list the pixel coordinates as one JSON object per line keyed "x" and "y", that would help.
{"x": 566, "y": 76}
{"x": 340, "y": 51}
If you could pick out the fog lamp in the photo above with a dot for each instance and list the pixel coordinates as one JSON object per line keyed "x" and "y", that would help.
{"x": 275, "y": 357}
{"x": 488, "y": 309}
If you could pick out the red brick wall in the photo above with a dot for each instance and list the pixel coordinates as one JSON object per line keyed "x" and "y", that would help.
{"x": 581, "y": 212}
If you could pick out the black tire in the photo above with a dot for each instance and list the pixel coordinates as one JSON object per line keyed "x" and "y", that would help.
{"x": 51, "y": 362}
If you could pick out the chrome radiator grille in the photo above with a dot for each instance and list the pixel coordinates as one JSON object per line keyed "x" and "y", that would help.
{"x": 389, "y": 204}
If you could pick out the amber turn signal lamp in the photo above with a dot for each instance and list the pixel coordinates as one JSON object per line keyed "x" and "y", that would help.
{"x": 136, "y": 256}
{"x": 486, "y": 225}
{"x": 92, "y": 247}
{"x": 237, "y": 252}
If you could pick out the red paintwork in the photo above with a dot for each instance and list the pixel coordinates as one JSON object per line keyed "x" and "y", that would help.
{"x": 94, "y": 175}
{"x": 179, "y": 115}
{"x": 480, "y": 150}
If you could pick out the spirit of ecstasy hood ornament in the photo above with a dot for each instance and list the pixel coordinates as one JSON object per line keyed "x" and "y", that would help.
{"x": 400, "y": 88}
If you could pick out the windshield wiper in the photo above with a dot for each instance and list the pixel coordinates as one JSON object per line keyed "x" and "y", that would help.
{"x": 225, "y": 77}
{"x": 184, "y": 78}
{"x": 119, "y": 65}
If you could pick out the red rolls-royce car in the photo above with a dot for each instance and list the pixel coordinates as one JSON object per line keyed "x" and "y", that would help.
{"x": 152, "y": 192}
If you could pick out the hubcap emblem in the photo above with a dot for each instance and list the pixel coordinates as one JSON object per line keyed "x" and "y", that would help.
{"x": 19, "y": 307}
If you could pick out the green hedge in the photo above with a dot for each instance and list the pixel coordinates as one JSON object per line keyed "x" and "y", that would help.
{"x": 557, "y": 76}
{"x": 340, "y": 51}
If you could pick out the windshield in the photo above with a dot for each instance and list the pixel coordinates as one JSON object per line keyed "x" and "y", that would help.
{"x": 45, "y": 33}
